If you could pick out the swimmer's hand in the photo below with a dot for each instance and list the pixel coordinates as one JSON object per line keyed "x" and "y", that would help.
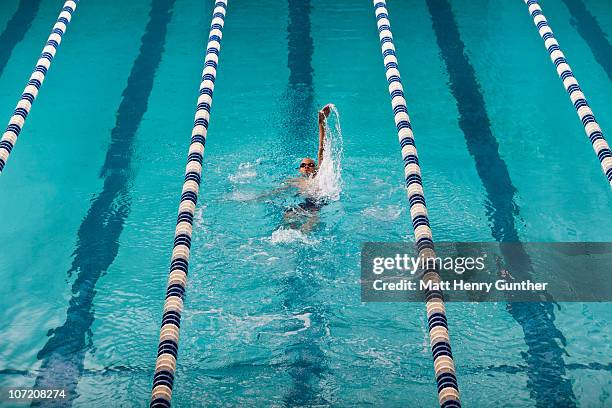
{"x": 325, "y": 111}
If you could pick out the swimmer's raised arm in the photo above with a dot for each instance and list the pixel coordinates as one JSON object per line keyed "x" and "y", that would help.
{"x": 323, "y": 114}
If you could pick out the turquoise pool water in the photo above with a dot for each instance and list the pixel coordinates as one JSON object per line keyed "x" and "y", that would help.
{"x": 89, "y": 199}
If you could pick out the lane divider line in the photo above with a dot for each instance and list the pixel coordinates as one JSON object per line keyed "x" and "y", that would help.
{"x": 444, "y": 365}
{"x": 591, "y": 127}
{"x": 167, "y": 351}
{"x": 17, "y": 121}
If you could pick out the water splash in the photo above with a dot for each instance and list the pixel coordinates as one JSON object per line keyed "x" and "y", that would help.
{"x": 305, "y": 319}
{"x": 383, "y": 213}
{"x": 242, "y": 196}
{"x": 289, "y": 235}
{"x": 198, "y": 219}
{"x": 327, "y": 185}
{"x": 245, "y": 173}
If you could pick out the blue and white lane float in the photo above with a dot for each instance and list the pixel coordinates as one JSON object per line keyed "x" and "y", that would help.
{"x": 444, "y": 366}
{"x": 9, "y": 138}
{"x": 165, "y": 367}
{"x": 591, "y": 127}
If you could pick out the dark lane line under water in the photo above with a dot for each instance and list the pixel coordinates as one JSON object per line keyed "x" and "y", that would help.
{"x": 98, "y": 236}
{"x": 546, "y": 367}
{"x": 589, "y": 29}
{"x": 298, "y": 118}
{"x": 305, "y": 358}
{"x": 521, "y": 368}
{"x": 16, "y": 29}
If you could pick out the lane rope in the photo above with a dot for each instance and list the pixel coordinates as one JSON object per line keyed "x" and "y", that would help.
{"x": 444, "y": 366}
{"x": 591, "y": 127}
{"x": 165, "y": 367}
{"x": 9, "y": 138}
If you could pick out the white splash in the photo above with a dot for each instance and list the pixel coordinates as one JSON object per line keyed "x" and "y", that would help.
{"x": 305, "y": 318}
{"x": 387, "y": 213}
{"x": 327, "y": 185}
{"x": 198, "y": 219}
{"x": 246, "y": 172}
{"x": 288, "y": 235}
{"x": 242, "y": 196}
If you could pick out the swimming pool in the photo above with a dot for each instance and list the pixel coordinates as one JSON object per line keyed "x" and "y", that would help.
{"x": 90, "y": 193}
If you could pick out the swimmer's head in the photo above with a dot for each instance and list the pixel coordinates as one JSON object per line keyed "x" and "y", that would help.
{"x": 307, "y": 167}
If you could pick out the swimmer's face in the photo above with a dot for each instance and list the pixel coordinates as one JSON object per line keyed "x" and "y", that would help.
{"x": 307, "y": 167}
